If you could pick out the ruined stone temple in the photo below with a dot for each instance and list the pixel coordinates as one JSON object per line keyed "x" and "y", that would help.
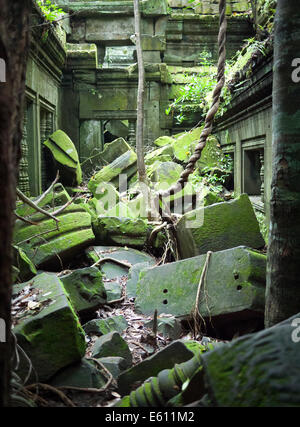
{"x": 148, "y": 298}
{"x": 82, "y": 78}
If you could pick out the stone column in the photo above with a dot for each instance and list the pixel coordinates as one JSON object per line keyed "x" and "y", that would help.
{"x": 23, "y": 166}
{"x": 262, "y": 174}
{"x": 43, "y": 125}
{"x": 131, "y": 133}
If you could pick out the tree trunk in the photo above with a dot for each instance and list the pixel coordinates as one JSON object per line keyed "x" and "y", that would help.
{"x": 283, "y": 283}
{"x": 14, "y": 30}
{"x": 140, "y": 96}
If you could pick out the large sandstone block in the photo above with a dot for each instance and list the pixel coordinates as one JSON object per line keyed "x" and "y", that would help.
{"x": 49, "y": 330}
{"x": 257, "y": 370}
{"x": 86, "y": 289}
{"x": 47, "y": 244}
{"x": 217, "y": 227}
{"x": 65, "y": 157}
{"x": 235, "y": 284}
{"x": 124, "y": 164}
{"x": 176, "y": 352}
{"x": 120, "y": 231}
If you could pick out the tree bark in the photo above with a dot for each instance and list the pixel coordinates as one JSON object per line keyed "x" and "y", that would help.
{"x": 14, "y": 35}
{"x": 283, "y": 283}
{"x": 140, "y": 96}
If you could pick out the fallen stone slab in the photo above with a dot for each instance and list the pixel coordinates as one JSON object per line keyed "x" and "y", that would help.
{"x": 133, "y": 278}
{"x": 217, "y": 227}
{"x": 112, "y": 344}
{"x": 120, "y": 231}
{"x": 57, "y": 197}
{"x": 124, "y": 164}
{"x": 176, "y": 352}
{"x": 165, "y": 172}
{"x": 86, "y": 289}
{"x": 112, "y": 150}
{"x": 235, "y": 286}
{"x": 105, "y": 198}
{"x": 112, "y": 270}
{"x": 50, "y": 246}
{"x": 113, "y": 289}
{"x": 85, "y": 374}
{"x": 257, "y": 370}
{"x": 65, "y": 157}
{"x": 49, "y": 330}
{"x": 164, "y": 140}
{"x": 184, "y": 144}
{"x": 162, "y": 154}
{"x": 115, "y": 365}
{"x": 104, "y": 326}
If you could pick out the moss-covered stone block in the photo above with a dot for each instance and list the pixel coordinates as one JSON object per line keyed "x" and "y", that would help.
{"x": 50, "y": 334}
{"x": 184, "y": 144}
{"x": 120, "y": 231}
{"x": 165, "y": 172}
{"x": 114, "y": 364}
{"x": 85, "y": 374}
{"x": 113, "y": 170}
{"x": 163, "y": 154}
{"x": 112, "y": 150}
{"x": 164, "y": 140}
{"x": 104, "y": 326}
{"x": 257, "y": 370}
{"x": 65, "y": 157}
{"x": 50, "y": 245}
{"x": 58, "y": 197}
{"x": 112, "y": 344}
{"x": 133, "y": 278}
{"x": 105, "y": 198}
{"x": 166, "y": 358}
{"x": 235, "y": 286}
{"x": 86, "y": 289}
{"x": 212, "y": 154}
{"x": 217, "y": 227}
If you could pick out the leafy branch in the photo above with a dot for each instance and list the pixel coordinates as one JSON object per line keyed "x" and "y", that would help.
{"x": 51, "y": 11}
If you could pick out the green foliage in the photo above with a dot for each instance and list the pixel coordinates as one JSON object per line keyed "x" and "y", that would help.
{"x": 264, "y": 228}
{"x": 234, "y": 67}
{"x": 50, "y": 10}
{"x": 214, "y": 180}
{"x": 197, "y": 93}
{"x": 194, "y": 92}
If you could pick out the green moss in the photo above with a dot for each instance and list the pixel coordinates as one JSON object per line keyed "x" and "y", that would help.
{"x": 52, "y": 337}
{"x": 66, "y": 157}
{"x": 113, "y": 170}
{"x": 46, "y": 241}
{"x": 120, "y": 231}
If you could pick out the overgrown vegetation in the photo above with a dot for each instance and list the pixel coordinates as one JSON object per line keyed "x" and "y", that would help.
{"x": 50, "y": 10}
{"x": 195, "y": 92}
{"x": 196, "y": 95}
{"x": 214, "y": 177}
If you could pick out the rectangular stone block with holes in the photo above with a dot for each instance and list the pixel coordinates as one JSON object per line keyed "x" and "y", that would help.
{"x": 235, "y": 283}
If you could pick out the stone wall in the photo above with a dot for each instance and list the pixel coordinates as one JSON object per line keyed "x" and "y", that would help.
{"x": 82, "y": 78}
{"x": 42, "y": 110}
{"x": 245, "y": 132}
{"x": 101, "y": 79}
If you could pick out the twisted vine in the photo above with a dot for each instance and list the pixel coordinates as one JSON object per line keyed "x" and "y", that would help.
{"x": 213, "y": 110}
